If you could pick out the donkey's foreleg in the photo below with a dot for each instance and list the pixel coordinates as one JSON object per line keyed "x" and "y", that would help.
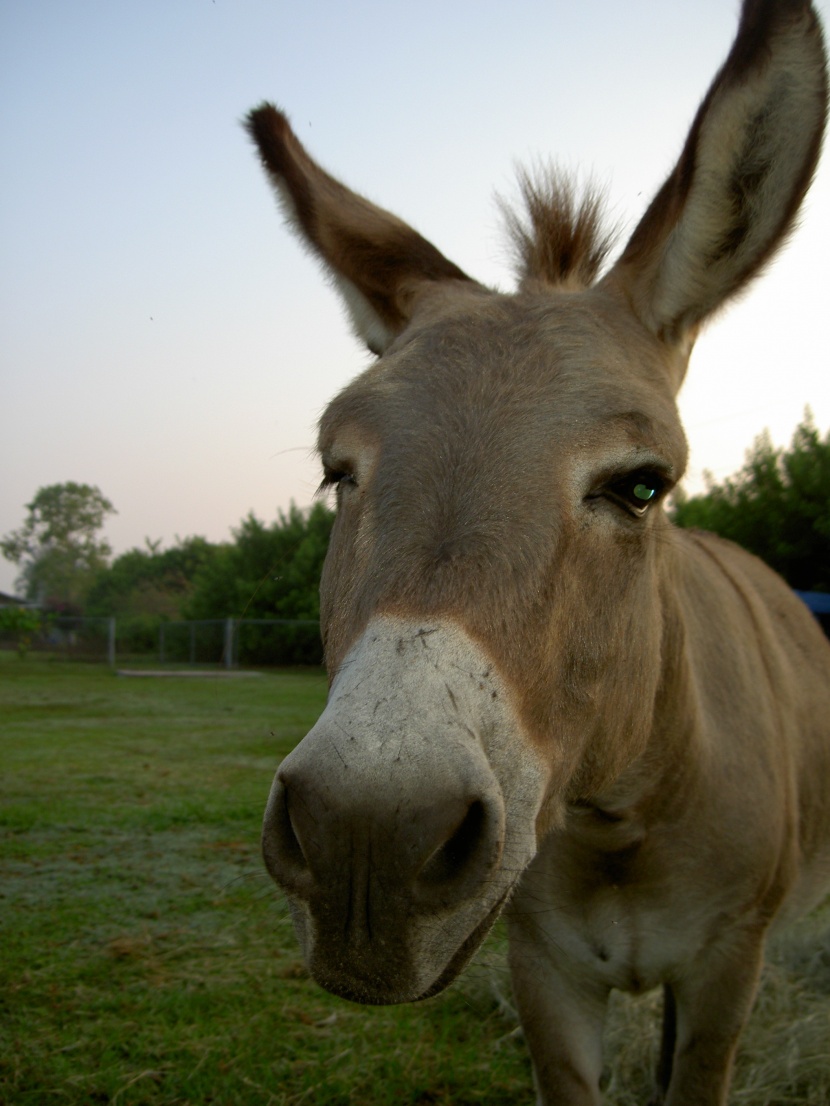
{"x": 714, "y": 999}
{"x": 562, "y": 1019}
{"x": 668, "y": 1040}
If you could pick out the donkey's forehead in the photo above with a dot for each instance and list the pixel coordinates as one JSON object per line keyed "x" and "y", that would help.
{"x": 578, "y": 358}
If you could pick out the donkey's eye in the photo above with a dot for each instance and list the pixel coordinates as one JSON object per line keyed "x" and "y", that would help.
{"x": 336, "y": 478}
{"x": 638, "y": 490}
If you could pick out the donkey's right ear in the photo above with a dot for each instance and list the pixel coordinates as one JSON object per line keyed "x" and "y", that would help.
{"x": 377, "y": 262}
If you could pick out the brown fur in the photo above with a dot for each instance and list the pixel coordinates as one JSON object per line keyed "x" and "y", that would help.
{"x": 375, "y": 251}
{"x": 563, "y": 242}
{"x": 541, "y": 690}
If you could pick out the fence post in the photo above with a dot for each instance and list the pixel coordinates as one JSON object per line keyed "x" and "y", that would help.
{"x": 161, "y": 643}
{"x": 111, "y": 642}
{"x": 228, "y": 643}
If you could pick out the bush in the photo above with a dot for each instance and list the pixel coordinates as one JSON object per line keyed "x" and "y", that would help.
{"x": 21, "y": 624}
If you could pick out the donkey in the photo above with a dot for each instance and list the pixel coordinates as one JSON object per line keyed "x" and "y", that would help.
{"x": 544, "y": 698}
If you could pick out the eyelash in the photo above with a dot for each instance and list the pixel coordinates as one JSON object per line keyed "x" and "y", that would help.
{"x": 333, "y": 478}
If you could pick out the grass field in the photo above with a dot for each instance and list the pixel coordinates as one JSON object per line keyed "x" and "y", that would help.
{"x": 145, "y": 957}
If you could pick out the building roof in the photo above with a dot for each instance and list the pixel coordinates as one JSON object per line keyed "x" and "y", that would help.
{"x": 7, "y": 600}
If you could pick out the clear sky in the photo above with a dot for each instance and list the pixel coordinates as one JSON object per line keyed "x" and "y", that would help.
{"x": 161, "y": 334}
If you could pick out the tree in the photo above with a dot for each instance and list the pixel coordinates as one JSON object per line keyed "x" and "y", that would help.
{"x": 149, "y": 581}
{"x": 269, "y": 572}
{"x": 777, "y": 506}
{"x": 144, "y": 587}
{"x": 58, "y": 548}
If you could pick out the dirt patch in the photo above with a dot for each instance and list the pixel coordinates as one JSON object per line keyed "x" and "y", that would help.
{"x": 217, "y": 674}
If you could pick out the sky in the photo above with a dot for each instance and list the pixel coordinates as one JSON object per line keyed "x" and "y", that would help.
{"x": 163, "y": 337}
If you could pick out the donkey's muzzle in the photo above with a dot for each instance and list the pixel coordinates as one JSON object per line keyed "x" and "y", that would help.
{"x": 380, "y": 853}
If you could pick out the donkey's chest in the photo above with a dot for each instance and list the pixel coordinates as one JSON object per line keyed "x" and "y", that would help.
{"x": 610, "y": 913}
{"x": 619, "y": 939}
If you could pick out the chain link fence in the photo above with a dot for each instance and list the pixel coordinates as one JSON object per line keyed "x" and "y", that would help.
{"x": 234, "y": 641}
{"x": 62, "y": 637}
{"x": 219, "y": 642}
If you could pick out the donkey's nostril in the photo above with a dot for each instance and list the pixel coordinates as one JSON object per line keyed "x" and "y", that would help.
{"x": 290, "y": 839}
{"x": 451, "y": 859}
{"x": 437, "y": 850}
{"x": 282, "y": 849}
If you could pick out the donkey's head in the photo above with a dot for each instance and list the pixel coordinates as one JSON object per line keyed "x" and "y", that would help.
{"x": 496, "y": 597}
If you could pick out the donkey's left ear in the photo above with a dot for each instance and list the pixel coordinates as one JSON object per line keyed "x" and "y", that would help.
{"x": 735, "y": 192}
{"x": 377, "y": 263}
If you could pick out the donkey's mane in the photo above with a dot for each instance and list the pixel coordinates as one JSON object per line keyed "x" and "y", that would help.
{"x": 560, "y": 237}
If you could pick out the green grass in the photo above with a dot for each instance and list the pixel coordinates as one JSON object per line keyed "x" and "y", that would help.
{"x": 146, "y": 958}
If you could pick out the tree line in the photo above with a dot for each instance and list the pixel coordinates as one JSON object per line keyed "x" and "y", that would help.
{"x": 267, "y": 571}
{"x": 777, "y": 506}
